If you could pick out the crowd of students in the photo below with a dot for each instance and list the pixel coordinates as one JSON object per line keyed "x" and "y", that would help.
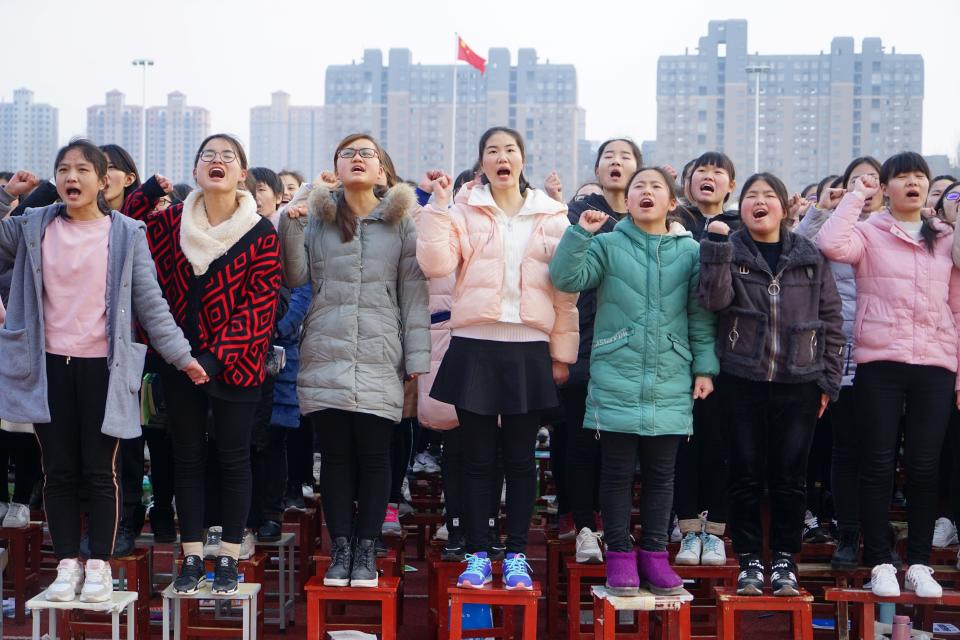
{"x": 663, "y": 336}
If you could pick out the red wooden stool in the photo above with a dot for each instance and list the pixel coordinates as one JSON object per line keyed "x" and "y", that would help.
{"x": 302, "y": 525}
{"x": 495, "y": 596}
{"x": 579, "y": 575}
{"x": 703, "y": 609}
{"x": 198, "y": 624}
{"x": 23, "y": 570}
{"x": 674, "y": 611}
{"x": 729, "y": 603}
{"x": 556, "y": 580}
{"x": 318, "y": 596}
{"x": 426, "y": 525}
{"x": 133, "y": 572}
{"x": 864, "y": 607}
{"x": 441, "y": 578}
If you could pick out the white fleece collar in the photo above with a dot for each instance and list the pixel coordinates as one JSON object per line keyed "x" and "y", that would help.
{"x": 534, "y": 202}
{"x": 202, "y": 243}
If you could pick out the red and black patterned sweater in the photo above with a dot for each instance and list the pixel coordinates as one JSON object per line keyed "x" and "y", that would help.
{"x": 227, "y": 314}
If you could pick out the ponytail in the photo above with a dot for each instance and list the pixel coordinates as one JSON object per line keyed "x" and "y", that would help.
{"x": 928, "y": 234}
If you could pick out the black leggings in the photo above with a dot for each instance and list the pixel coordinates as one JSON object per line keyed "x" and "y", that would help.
{"x": 579, "y": 470}
{"x": 355, "y": 455}
{"x": 300, "y": 448}
{"x": 76, "y": 455}
{"x": 701, "y": 478}
{"x": 452, "y": 469}
{"x": 161, "y": 465}
{"x": 881, "y": 389}
{"x": 518, "y": 443}
{"x": 400, "y": 446}
{"x": 20, "y": 449}
{"x": 619, "y": 453}
{"x": 845, "y": 461}
{"x": 188, "y": 407}
{"x": 131, "y": 481}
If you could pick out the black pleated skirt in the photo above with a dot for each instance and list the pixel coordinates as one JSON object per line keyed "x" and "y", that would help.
{"x": 493, "y": 378}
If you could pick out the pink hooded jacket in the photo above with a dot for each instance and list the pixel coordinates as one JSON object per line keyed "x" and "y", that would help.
{"x": 467, "y": 237}
{"x": 908, "y": 300}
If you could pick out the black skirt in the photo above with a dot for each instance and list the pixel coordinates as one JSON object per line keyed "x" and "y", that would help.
{"x": 488, "y": 377}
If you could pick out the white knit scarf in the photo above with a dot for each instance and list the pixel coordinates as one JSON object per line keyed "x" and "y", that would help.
{"x": 202, "y": 243}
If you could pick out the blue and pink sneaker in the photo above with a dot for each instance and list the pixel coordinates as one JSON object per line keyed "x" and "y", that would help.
{"x": 478, "y": 573}
{"x": 516, "y": 572}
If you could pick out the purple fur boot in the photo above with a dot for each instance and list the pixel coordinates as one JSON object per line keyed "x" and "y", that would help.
{"x": 657, "y": 573}
{"x": 622, "y": 578}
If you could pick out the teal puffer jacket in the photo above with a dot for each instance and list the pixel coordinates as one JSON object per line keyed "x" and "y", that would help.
{"x": 651, "y": 335}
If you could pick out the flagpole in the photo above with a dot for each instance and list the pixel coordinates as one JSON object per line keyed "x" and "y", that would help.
{"x": 453, "y": 137}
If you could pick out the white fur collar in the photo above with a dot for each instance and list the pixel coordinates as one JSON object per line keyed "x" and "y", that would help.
{"x": 201, "y": 243}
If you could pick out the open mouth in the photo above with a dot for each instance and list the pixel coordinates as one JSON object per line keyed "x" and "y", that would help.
{"x": 217, "y": 172}
{"x": 759, "y": 213}
{"x": 646, "y": 203}
{"x": 503, "y": 172}
{"x": 913, "y": 193}
{"x": 73, "y": 192}
{"x": 616, "y": 174}
{"x": 358, "y": 168}
{"x": 707, "y": 188}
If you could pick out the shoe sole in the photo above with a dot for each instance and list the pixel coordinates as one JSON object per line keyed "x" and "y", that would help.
{"x": 713, "y": 563}
{"x": 786, "y": 592}
{"x": 225, "y": 592}
{"x": 622, "y": 591}
{"x": 750, "y": 591}
{"x": 471, "y": 585}
{"x": 391, "y": 531}
{"x": 268, "y": 538}
{"x": 336, "y": 582}
{"x": 519, "y": 587}
{"x": 684, "y": 562}
{"x": 365, "y": 584}
{"x": 191, "y": 591}
{"x": 913, "y": 591}
{"x": 664, "y": 591}
{"x": 98, "y": 598}
{"x": 591, "y": 558}
{"x": 53, "y": 598}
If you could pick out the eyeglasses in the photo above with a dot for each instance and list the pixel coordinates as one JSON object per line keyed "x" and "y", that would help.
{"x": 227, "y": 156}
{"x": 953, "y": 195}
{"x": 350, "y": 152}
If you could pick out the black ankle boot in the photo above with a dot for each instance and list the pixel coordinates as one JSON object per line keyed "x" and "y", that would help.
{"x": 845, "y": 556}
{"x": 338, "y": 575}
{"x": 364, "y": 571}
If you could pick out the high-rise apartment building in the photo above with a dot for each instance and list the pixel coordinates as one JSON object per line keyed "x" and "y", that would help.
{"x": 817, "y": 111}
{"x": 28, "y": 135}
{"x": 174, "y": 133}
{"x": 116, "y": 123}
{"x": 289, "y": 137}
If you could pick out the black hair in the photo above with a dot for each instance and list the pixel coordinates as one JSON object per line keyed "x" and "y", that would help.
{"x": 517, "y": 138}
{"x": 464, "y": 177}
{"x": 296, "y": 175}
{"x": 776, "y": 184}
{"x": 870, "y": 160}
{"x": 944, "y": 176}
{"x": 685, "y": 173}
{"x": 715, "y": 159}
{"x": 92, "y": 154}
{"x": 388, "y": 169}
{"x": 825, "y": 183}
{"x": 938, "y": 208}
{"x": 269, "y": 178}
{"x": 121, "y": 159}
{"x": 180, "y": 191}
{"x": 812, "y": 185}
{"x": 908, "y": 162}
{"x": 234, "y": 142}
{"x": 637, "y": 155}
{"x": 671, "y": 187}
{"x": 6, "y": 175}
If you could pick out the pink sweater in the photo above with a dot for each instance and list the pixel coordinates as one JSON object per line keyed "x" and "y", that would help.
{"x": 75, "y": 287}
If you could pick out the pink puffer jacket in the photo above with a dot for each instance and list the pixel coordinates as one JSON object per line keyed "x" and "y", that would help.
{"x": 433, "y": 413}
{"x": 908, "y": 300}
{"x": 466, "y": 237}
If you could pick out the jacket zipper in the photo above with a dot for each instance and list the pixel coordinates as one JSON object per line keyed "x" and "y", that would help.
{"x": 813, "y": 346}
{"x": 774, "y": 290}
{"x": 734, "y": 335}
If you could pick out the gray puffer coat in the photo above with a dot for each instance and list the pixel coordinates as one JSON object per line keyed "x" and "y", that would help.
{"x": 368, "y": 325}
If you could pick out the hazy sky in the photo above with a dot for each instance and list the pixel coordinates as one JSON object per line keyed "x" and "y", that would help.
{"x": 229, "y": 56}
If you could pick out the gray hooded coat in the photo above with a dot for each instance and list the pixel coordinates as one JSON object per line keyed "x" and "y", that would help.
{"x": 368, "y": 325}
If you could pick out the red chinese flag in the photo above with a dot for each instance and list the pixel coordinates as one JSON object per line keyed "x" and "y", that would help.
{"x": 468, "y": 55}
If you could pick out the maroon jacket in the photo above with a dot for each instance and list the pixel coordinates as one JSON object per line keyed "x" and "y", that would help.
{"x": 227, "y": 314}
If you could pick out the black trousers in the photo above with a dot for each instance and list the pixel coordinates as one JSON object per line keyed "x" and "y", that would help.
{"x": 20, "y": 449}
{"x": 518, "y": 443}
{"x": 619, "y": 453}
{"x": 131, "y": 481}
{"x": 701, "y": 478}
{"x": 188, "y": 407}
{"x": 300, "y": 448}
{"x": 580, "y": 456}
{"x": 162, "y": 472}
{"x": 845, "y": 461}
{"x": 401, "y": 444}
{"x": 75, "y": 454}
{"x": 881, "y": 390}
{"x": 770, "y": 432}
{"x": 819, "y": 465}
{"x": 268, "y": 462}
{"x": 355, "y": 455}
{"x": 452, "y": 468}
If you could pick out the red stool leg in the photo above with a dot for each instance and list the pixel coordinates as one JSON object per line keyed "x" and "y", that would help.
{"x": 389, "y": 625}
{"x": 456, "y": 618}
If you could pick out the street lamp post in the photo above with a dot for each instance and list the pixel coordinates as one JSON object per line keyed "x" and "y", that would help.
{"x": 143, "y": 63}
{"x": 757, "y": 69}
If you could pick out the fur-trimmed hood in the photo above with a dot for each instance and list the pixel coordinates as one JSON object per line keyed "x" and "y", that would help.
{"x": 396, "y": 204}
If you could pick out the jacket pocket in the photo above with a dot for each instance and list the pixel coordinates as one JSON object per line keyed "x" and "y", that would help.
{"x": 680, "y": 347}
{"x": 805, "y": 348}
{"x": 135, "y": 360}
{"x": 15, "y": 351}
{"x": 609, "y": 344}
{"x": 742, "y": 335}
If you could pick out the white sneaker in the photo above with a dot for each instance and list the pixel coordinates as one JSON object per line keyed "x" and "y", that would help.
{"x": 316, "y": 468}
{"x": 306, "y": 490}
{"x": 714, "y": 553}
{"x": 248, "y": 545}
{"x": 442, "y": 533}
{"x": 67, "y": 585}
{"x": 588, "y": 547}
{"x": 17, "y": 516}
{"x": 211, "y": 544}
{"x": 690, "y": 549}
{"x": 98, "y": 583}
{"x": 3, "y": 510}
{"x": 425, "y": 463}
{"x": 405, "y": 490}
{"x": 920, "y": 580}
{"x": 675, "y": 535}
{"x": 883, "y": 581}
{"x": 944, "y": 533}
